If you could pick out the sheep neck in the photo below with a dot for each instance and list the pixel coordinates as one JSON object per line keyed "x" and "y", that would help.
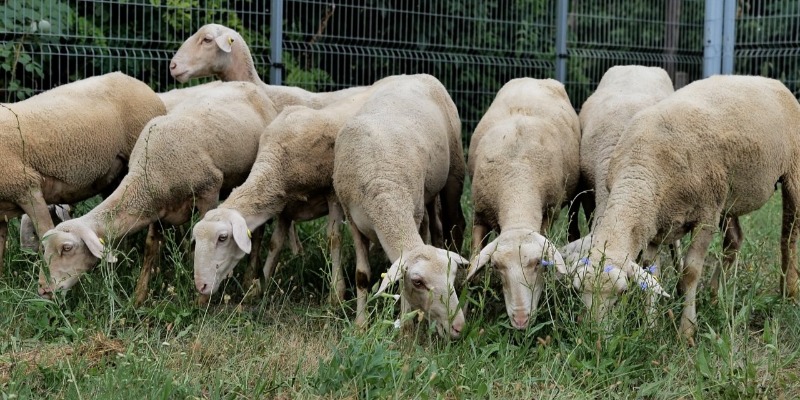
{"x": 629, "y": 220}
{"x": 241, "y": 66}
{"x": 262, "y": 196}
{"x": 520, "y": 208}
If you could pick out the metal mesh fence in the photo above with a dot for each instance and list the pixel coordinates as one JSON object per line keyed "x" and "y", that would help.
{"x": 768, "y": 40}
{"x": 45, "y": 43}
{"x": 472, "y": 47}
{"x": 667, "y": 34}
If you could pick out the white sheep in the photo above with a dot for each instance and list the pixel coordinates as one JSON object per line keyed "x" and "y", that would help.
{"x": 292, "y": 179}
{"x": 523, "y": 161}
{"x": 623, "y": 91}
{"x": 715, "y": 147}
{"x": 68, "y": 144}
{"x": 181, "y": 161}
{"x": 216, "y": 50}
{"x": 401, "y": 150}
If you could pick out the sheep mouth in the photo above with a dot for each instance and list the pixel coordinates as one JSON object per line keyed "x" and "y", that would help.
{"x": 180, "y": 76}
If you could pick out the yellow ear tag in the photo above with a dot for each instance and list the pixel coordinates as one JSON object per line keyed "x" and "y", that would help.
{"x": 230, "y": 40}
{"x": 249, "y": 234}
{"x": 102, "y": 241}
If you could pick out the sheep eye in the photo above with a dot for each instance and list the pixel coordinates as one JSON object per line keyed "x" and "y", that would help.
{"x": 66, "y": 247}
{"x": 223, "y": 237}
{"x": 207, "y": 40}
{"x": 417, "y": 283}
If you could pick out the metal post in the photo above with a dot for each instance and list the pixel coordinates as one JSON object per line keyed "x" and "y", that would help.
{"x": 276, "y": 42}
{"x": 712, "y": 38}
{"x": 728, "y": 35}
{"x": 562, "y": 9}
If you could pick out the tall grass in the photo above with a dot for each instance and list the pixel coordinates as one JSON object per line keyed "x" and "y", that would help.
{"x": 92, "y": 342}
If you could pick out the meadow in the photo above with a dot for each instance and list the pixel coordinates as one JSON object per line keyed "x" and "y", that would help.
{"x": 289, "y": 343}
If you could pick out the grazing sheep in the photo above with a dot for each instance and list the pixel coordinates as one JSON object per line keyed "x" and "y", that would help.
{"x": 717, "y": 146}
{"x": 392, "y": 159}
{"x": 292, "y": 179}
{"x": 523, "y": 170}
{"x": 623, "y": 91}
{"x": 68, "y": 144}
{"x": 216, "y": 50}
{"x": 182, "y": 160}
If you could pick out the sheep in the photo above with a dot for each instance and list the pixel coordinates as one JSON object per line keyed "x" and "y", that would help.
{"x": 174, "y": 97}
{"x": 623, "y": 91}
{"x": 718, "y": 145}
{"x": 216, "y": 50}
{"x": 523, "y": 162}
{"x": 292, "y": 179}
{"x": 391, "y": 160}
{"x": 182, "y": 160}
{"x": 68, "y": 144}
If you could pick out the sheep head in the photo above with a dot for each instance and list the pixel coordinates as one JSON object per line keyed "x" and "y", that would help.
{"x": 222, "y": 239}
{"x": 601, "y": 286}
{"x": 70, "y": 249}
{"x": 206, "y": 53}
{"x": 428, "y": 275}
{"x": 520, "y": 256}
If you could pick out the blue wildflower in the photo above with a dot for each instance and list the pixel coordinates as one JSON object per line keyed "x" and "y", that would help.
{"x": 546, "y": 263}
{"x": 584, "y": 260}
{"x": 652, "y": 269}
{"x": 608, "y": 268}
{"x": 643, "y": 285}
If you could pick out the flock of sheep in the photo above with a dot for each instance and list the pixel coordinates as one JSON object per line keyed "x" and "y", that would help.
{"x": 387, "y": 159}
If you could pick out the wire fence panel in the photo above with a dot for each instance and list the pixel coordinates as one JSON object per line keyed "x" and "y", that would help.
{"x": 472, "y": 47}
{"x": 601, "y": 34}
{"x": 46, "y": 43}
{"x": 768, "y": 40}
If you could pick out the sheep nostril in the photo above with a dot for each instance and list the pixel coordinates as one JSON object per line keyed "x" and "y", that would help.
{"x": 173, "y": 65}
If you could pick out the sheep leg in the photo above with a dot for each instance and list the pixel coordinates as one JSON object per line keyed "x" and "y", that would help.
{"x": 3, "y": 236}
{"x": 152, "y": 250}
{"x": 251, "y": 281}
{"x": 789, "y": 231}
{"x": 434, "y": 223}
{"x": 294, "y": 241}
{"x": 335, "y": 218}
{"x": 425, "y": 228}
{"x": 479, "y": 235}
{"x": 695, "y": 256}
{"x": 363, "y": 274}
{"x": 275, "y": 245}
{"x": 452, "y": 217}
{"x": 36, "y": 208}
{"x": 731, "y": 243}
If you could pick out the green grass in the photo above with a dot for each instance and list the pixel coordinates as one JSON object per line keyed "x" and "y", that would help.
{"x": 92, "y": 343}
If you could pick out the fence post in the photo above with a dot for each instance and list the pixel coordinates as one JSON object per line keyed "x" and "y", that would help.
{"x": 728, "y": 35}
{"x": 276, "y": 42}
{"x": 712, "y": 38}
{"x": 562, "y": 8}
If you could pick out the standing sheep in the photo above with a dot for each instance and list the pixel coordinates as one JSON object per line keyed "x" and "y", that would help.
{"x": 68, "y": 144}
{"x": 182, "y": 160}
{"x": 292, "y": 179}
{"x": 392, "y": 159}
{"x": 524, "y": 165}
{"x": 718, "y": 145}
{"x": 216, "y": 50}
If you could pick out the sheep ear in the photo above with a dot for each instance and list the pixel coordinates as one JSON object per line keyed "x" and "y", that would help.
{"x": 62, "y": 212}
{"x": 454, "y": 257}
{"x": 393, "y": 275}
{"x": 240, "y": 232}
{"x": 224, "y": 42}
{"x": 482, "y": 258}
{"x": 95, "y": 244}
